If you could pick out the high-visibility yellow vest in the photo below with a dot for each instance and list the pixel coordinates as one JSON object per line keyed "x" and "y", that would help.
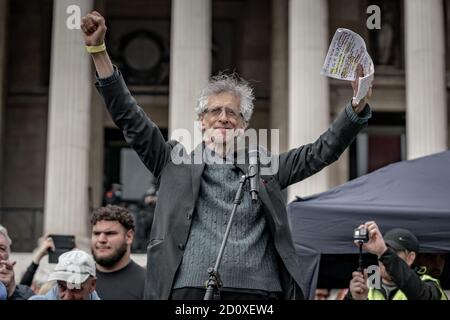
{"x": 376, "y": 294}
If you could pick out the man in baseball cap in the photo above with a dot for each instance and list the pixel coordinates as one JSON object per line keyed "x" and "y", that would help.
{"x": 75, "y": 277}
{"x": 396, "y": 253}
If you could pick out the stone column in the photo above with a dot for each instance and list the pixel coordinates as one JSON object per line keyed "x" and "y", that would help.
{"x": 190, "y": 64}
{"x": 96, "y": 152}
{"x": 308, "y": 90}
{"x": 279, "y": 71}
{"x": 426, "y": 100}
{"x": 97, "y": 136}
{"x": 66, "y": 185}
{"x": 3, "y": 28}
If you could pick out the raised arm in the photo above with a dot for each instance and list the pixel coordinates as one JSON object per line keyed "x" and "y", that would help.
{"x": 140, "y": 132}
{"x": 94, "y": 29}
{"x": 304, "y": 161}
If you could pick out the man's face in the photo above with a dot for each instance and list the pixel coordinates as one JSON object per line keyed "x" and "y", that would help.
{"x": 65, "y": 292}
{"x": 222, "y": 118}
{"x": 4, "y": 248}
{"x": 110, "y": 242}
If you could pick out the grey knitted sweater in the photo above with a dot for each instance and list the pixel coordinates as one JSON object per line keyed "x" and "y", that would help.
{"x": 249, "y": 260}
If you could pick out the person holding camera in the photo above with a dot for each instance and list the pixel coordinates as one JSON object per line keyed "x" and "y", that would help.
{"x": 396, "y": 253}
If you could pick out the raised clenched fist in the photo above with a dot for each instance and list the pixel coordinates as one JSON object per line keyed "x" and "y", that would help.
{"x": 94, "y": 28}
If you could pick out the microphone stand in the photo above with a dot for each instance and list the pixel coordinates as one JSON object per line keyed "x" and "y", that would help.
{"x": 214, "y": 283}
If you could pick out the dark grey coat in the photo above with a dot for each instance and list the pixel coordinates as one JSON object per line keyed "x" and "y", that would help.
{"x": 179, "y": 187}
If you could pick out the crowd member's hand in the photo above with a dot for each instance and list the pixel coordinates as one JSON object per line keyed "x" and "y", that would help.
{"x": 46, "y": 245}
{"x": 358, "y": 286}
{"x": 94, "y": 29}
{"x": 7, "y": 275}
{"x": 376, "y": 244}
{"x": 358, "y": 107}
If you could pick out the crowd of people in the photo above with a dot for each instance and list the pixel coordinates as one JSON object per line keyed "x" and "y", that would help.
{"x": 109, "y": 273}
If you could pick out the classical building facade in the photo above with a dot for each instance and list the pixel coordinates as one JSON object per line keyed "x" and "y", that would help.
{"x": 60, "y": 152}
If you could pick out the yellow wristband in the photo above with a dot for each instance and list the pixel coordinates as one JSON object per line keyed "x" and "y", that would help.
{"x": 96, "y": 49}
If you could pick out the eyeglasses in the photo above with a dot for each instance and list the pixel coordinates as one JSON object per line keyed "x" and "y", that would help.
{"x": 230, "y": 113}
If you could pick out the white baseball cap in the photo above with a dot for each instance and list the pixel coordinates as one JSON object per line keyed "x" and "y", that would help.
{"x": 73, "y": 267}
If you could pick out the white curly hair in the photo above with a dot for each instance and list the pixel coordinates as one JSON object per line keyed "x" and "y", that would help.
{"x": 228, "y": 83}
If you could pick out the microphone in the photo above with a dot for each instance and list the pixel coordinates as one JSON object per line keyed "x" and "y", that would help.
{"x": 253, "y": 172}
